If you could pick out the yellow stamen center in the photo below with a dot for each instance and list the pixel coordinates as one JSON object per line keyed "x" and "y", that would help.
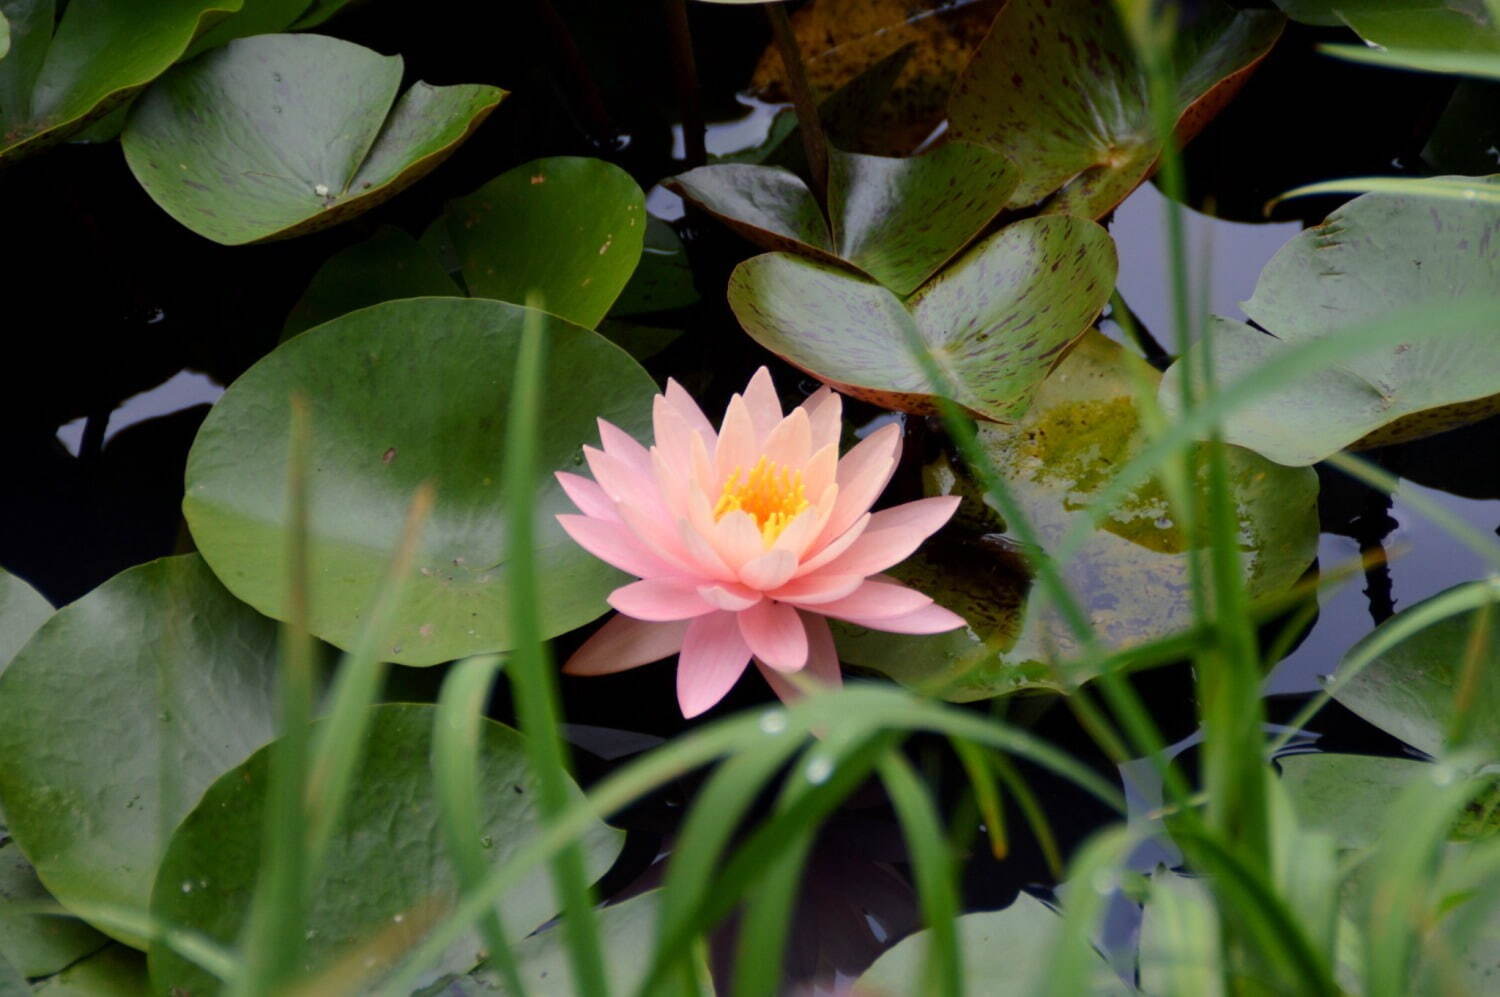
{"x": 771, "y": 494}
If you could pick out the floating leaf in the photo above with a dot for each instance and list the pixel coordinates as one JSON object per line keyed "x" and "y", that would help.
{"x": 898, "y": 220}
{"x": 1452, "y": 25}
{"x": 1346, "y": 271}
{"x": 1005, "y": 952}
{"x": 37, "y": 944}
{"x": 1058, "y": 88}
{"x": 568, "y": 229}
{"x": 388, "y": 266}
{"x": 996, "y": 320}
{"x": 278, "y": 135}
{"x": 1413, "y": 689}
{"x": 1180, "y": 947}
{"x": 663, "y": 280}
{"x": 255, "y": 17}
{"x": 401, "y": 393}
{"x": 118, "y": 713}
{"x": 1131, "y": 575}
{"x": 388, "y": 876}
{"x": 103, "y": 51}
{"x": 116, "y": 971}
{"x": 22, "y": 610}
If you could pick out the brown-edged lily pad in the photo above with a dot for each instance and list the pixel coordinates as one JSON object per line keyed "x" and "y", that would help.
{"x": 1131, "y": 575}
{"x": 278, "y": 135}
{"x": 1057, "y": 87}
{"x": 995, "y": 321}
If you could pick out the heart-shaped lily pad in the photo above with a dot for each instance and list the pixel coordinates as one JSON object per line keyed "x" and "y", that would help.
{"x": 1131, "y": 575}
{"x": 22, "y": 610}
{"x": 277, "y": 135}
{"x": 53, "y": 84}
{"x": 116, "y": 716}
{"x": 399, "y": 394}
{"x": 1378, "y": 254}
{"x": 388, "y": 266}
{"x": 897, "y": 220}
{"x": 388, "y": 876}
{"x": 567, "y": 229}
{"x": 1058, "y": 88}
{"x": 995, "y": 321}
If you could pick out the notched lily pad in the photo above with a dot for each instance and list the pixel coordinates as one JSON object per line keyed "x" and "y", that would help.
{"x": 1058, "y": 88}
{"x": 995, "y": 321}
{"x": 1378, "y": 254}
{"x": 1132, "y": 573}
{"x": 279, "y": 135}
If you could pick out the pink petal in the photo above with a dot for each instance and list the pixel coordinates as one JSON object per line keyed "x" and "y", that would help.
{"x": 825, "y": 410}
{"x": 587, "y": 496}
{"x": 775, "y": 634}
{"x": 893, "y": 534}
{"x": 660, "y": 600}
{"x": 623, "y": 482}
{"x": 764, "y": 406}
{"x": 821, "y": 468}
{"x": 876, "y": 601}
{"x": 769, "y": 571}
{"x": 712, "y": 659}
{"x": 689, "y": 410}
{"x": 737, "y": 449}
{"x": 799, "y": 533}
{"x": 835, "y": 547}
{"x": 674, "y": 436}
{"x": 813, "y": 590}
{"x": 612, "y": 543}
{"x": 625, "y": 643}
{"x": 702, "y": 554}
{"x": 729, "y": 596}
{"x": 737, "y": 538}
{"x": 790, "y": 442}
{"x": 862, "y": 476}
{"x": 822, "y": 661}
{"x": 621, "y": 445}
{"x": 657, "y": 537}
{"x": 933, "y": 619}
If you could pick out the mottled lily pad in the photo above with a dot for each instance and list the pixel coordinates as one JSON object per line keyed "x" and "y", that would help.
{"x": 388, "y": 876}
{"x": 402, "y": 393}
{"x": 897, "y": 220}
{"x": 996, "y": 320}
{"x": 1378, "y": 254}
{"x": 278, "y": 135}
{"x": 1058, "y": 88}
{"x": 54, "y": 84}
{"x": 1131, "y": 575}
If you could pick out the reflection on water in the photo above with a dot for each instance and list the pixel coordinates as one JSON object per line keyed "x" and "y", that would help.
{"x": 183, "y": 390}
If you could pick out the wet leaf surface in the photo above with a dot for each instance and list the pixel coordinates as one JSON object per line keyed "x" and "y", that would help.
{"x": 22, "y": 610}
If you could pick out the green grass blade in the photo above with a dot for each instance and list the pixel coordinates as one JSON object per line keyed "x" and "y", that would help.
{"x": 1447, "y": 188}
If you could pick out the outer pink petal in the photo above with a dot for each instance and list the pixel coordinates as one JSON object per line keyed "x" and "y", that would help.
{"x": 674, "y": 435}
{"x": 689, "y": 410}
{"x": 876, "y": 601}
{"x": 933, "y": 619}
{"x": 712, "y": 659}
{"x": 587, "y": 496}
{"x": 660, "y": 600}
{"x": 834, "y": 547}
{"x": 625, "y": 643}
{"x": 620, "y": 444}
{"x": 775, "y": 634}
{"x": 729, "y": 596}
{"x": 822, "y": 661}
{"x": 657, "y": 537}
{"x": 790, "y": 442}
{"x": 770, "y": 570}
{"x": 862, "y": 476}
{"x": 825, "y": 410}
{"x": 738, "y": 448}
{"x": 614, "y": 544}
{"x": 893, "y": 534}
{"x": 702, "y": 554}
{"x": 813, "y": 590}
{"x": 624, "y": 483}
{"x": 764, "y": 406}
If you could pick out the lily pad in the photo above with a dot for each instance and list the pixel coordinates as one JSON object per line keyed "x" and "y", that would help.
{"x": 1005, "y": 952}
{"x": 118, "y": 713}
{"x": 1411, "y": 690}
{"x": 663, "y": 280}
{"x": 996, "y": 320}
{"x": 53, "y": 84}
{"x": 567, "y": 229}
{"x": 278, "y": 135}
{"x": 36, "y": 944}
{"x": 116, "y": 971}
{"x": 1131, "y": 575}
{"x": 897, "y": 220}
{"x": 1449, "y": 25}
{"x": 403, "y": 393}
{"x": 388, "y": 266}
{"x": 1058, "y": 88}
{"x": 1377, "y": 254}
{"x": 388, "y": 876}
{"x": 1180, "y": 947}
{"x": 22, "y": 610}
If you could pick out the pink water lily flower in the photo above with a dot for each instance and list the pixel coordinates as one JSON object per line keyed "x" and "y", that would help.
{"x": 745, "y": 541}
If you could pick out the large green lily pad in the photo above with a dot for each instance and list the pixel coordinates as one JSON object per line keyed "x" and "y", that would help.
{"x": 1058, "y": 88}
{"x": 22, "y": 610}
{"x": 388, "y": 266}
{"x": 567, "y": 229}
{"x": 996, "y": 320}
{"x": 278, "y": 135}
{"x": 388, "y": 875}
{"x": 1378, "y": 254}
{"x": 1412, "y": 690}
{"x": 897, "y": 220}
{"x": 399, "y": 394}
{"x": 118, "y": 713}
{"x": 102, "y": 52}
{"x": 1448, "y": 25}
{"x": 116, "y": 971}
{"x": 37, "y": 944}
{"x": 1131, "y": 575}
